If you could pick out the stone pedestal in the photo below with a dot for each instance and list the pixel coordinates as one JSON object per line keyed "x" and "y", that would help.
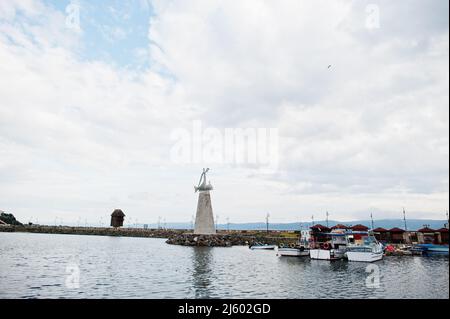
{"x": 204, "y": 220}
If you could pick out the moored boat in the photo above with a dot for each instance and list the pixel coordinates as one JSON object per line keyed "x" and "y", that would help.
{"x": 432, "y": 249}
{"x": 369, "y": 250}
{"x": 293, "y": 252}
{"x": 262, "y": 246}
{"x": 300, "y": 249}
{"x": 333, "y": 250}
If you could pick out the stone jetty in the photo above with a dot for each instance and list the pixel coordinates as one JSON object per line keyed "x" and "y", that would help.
{"x": 227, "y": 240}
{"x": 174, "y": 236}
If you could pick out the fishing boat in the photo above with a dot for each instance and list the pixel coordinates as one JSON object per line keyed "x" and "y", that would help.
{"x": 369, "y": 250}
{"x": 293, "y": 252}
{"x": 262, "y": 246}
{"x": 301, "y": 249}
{"x": 332, "y": 250}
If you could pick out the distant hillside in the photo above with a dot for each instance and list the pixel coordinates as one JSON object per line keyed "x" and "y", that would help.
{"x": 412, "y": 224}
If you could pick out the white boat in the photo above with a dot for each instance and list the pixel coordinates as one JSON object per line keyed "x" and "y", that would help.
{"x": 334, "y": 250}
{"x": 369, "y": 251}
{"x": 293, "y": 252}
{"x": 260, "y": 246}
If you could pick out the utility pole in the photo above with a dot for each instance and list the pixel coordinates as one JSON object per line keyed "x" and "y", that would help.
{"x": 404, "y": 219}
{"x": 371, "y": 217}
{"x": 312, "y": 219}
{"x": 446, "y": 213}
{"x": 327, "y": 218}
{"x": 267, "y": 222}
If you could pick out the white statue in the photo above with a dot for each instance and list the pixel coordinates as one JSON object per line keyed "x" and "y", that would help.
{"x": 202, "y": 186}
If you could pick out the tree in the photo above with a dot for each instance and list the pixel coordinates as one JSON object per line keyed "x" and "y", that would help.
{"x": 9, "y": 219}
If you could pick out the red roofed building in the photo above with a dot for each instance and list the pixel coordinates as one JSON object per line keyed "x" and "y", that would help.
{"x": 381, "y": 234}
{"x": 358, "y": 228}
{"x": 397, "y": 235}
{"x": 429, "y": 236}
{"x": 340, "y": 226}
{"x": 444, "y": 235}
{"x": 317, "y": 233}
{"x": 320, "y": 228}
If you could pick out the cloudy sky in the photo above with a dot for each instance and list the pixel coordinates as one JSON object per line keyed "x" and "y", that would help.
{"x": 90, "y": 112}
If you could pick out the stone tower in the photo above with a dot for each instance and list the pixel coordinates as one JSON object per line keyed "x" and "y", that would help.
{"x": 204, "y": 220}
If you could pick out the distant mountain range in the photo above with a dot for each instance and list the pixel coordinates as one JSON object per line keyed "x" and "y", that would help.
{"x": 412, "y": 224}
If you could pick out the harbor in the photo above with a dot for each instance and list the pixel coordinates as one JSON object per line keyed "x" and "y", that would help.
{"x": 396, "y": 241}
{"x": 36, "y": 266}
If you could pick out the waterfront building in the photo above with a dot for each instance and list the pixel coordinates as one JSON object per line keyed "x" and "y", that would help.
{"x": 381, "y": 234}
{"x": 318, "y": 233}
{"x": 340, "y": 226}
{"x": 397, "y": 236}
{"x": 444, "y": 235}
{"x": 428, "y": 236}
{"x": 359, "y": 228}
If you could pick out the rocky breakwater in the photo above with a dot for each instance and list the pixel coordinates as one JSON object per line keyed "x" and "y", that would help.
{"x": 223, "y": 240}
{"x": 204, "y": 240}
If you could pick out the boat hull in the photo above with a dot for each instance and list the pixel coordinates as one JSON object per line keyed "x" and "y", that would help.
{"x": 323, "y": 254}
{"x": 292, "y": 252}
{"x": 265, "y": 247}
{"x": 364, "y": 256}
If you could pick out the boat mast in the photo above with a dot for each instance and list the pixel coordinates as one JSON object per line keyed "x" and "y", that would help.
{"x": 404, "y": 219}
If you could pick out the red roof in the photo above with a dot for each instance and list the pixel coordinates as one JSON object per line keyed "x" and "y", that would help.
{"x": 320, "y": 227}
{"x": 443, "y": 230}
{"x": 340, "y": 226}
{"x": 426, "y": 230}
{"x": 396, "y": 230}
{"x": 380, "y": 230}
{"x": 360, "y": 227}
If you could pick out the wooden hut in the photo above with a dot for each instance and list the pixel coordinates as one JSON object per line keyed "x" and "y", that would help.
{"x": 381, "y": 234}
{"x": 340, "y": 226}
{"x": 397, "y": 235}
{"x": 444, "y": 235}
{"x": 117, "y": 218}
{"x": 360, "y": 227}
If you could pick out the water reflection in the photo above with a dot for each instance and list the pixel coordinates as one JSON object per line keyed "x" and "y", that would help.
{"x": 201, "y": 271}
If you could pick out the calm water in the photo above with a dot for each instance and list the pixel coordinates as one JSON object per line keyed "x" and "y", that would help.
{"x": 39, "y": 266}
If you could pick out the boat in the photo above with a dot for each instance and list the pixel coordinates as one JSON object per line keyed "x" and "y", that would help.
{"x": 432, "y": 249}
{"x": 262, "y": 246}
{"x": 301, "y": 249}
{"x": 370, "y": 250}
{"x": 293, "y": 252}
{"x": 334, "y": 249}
